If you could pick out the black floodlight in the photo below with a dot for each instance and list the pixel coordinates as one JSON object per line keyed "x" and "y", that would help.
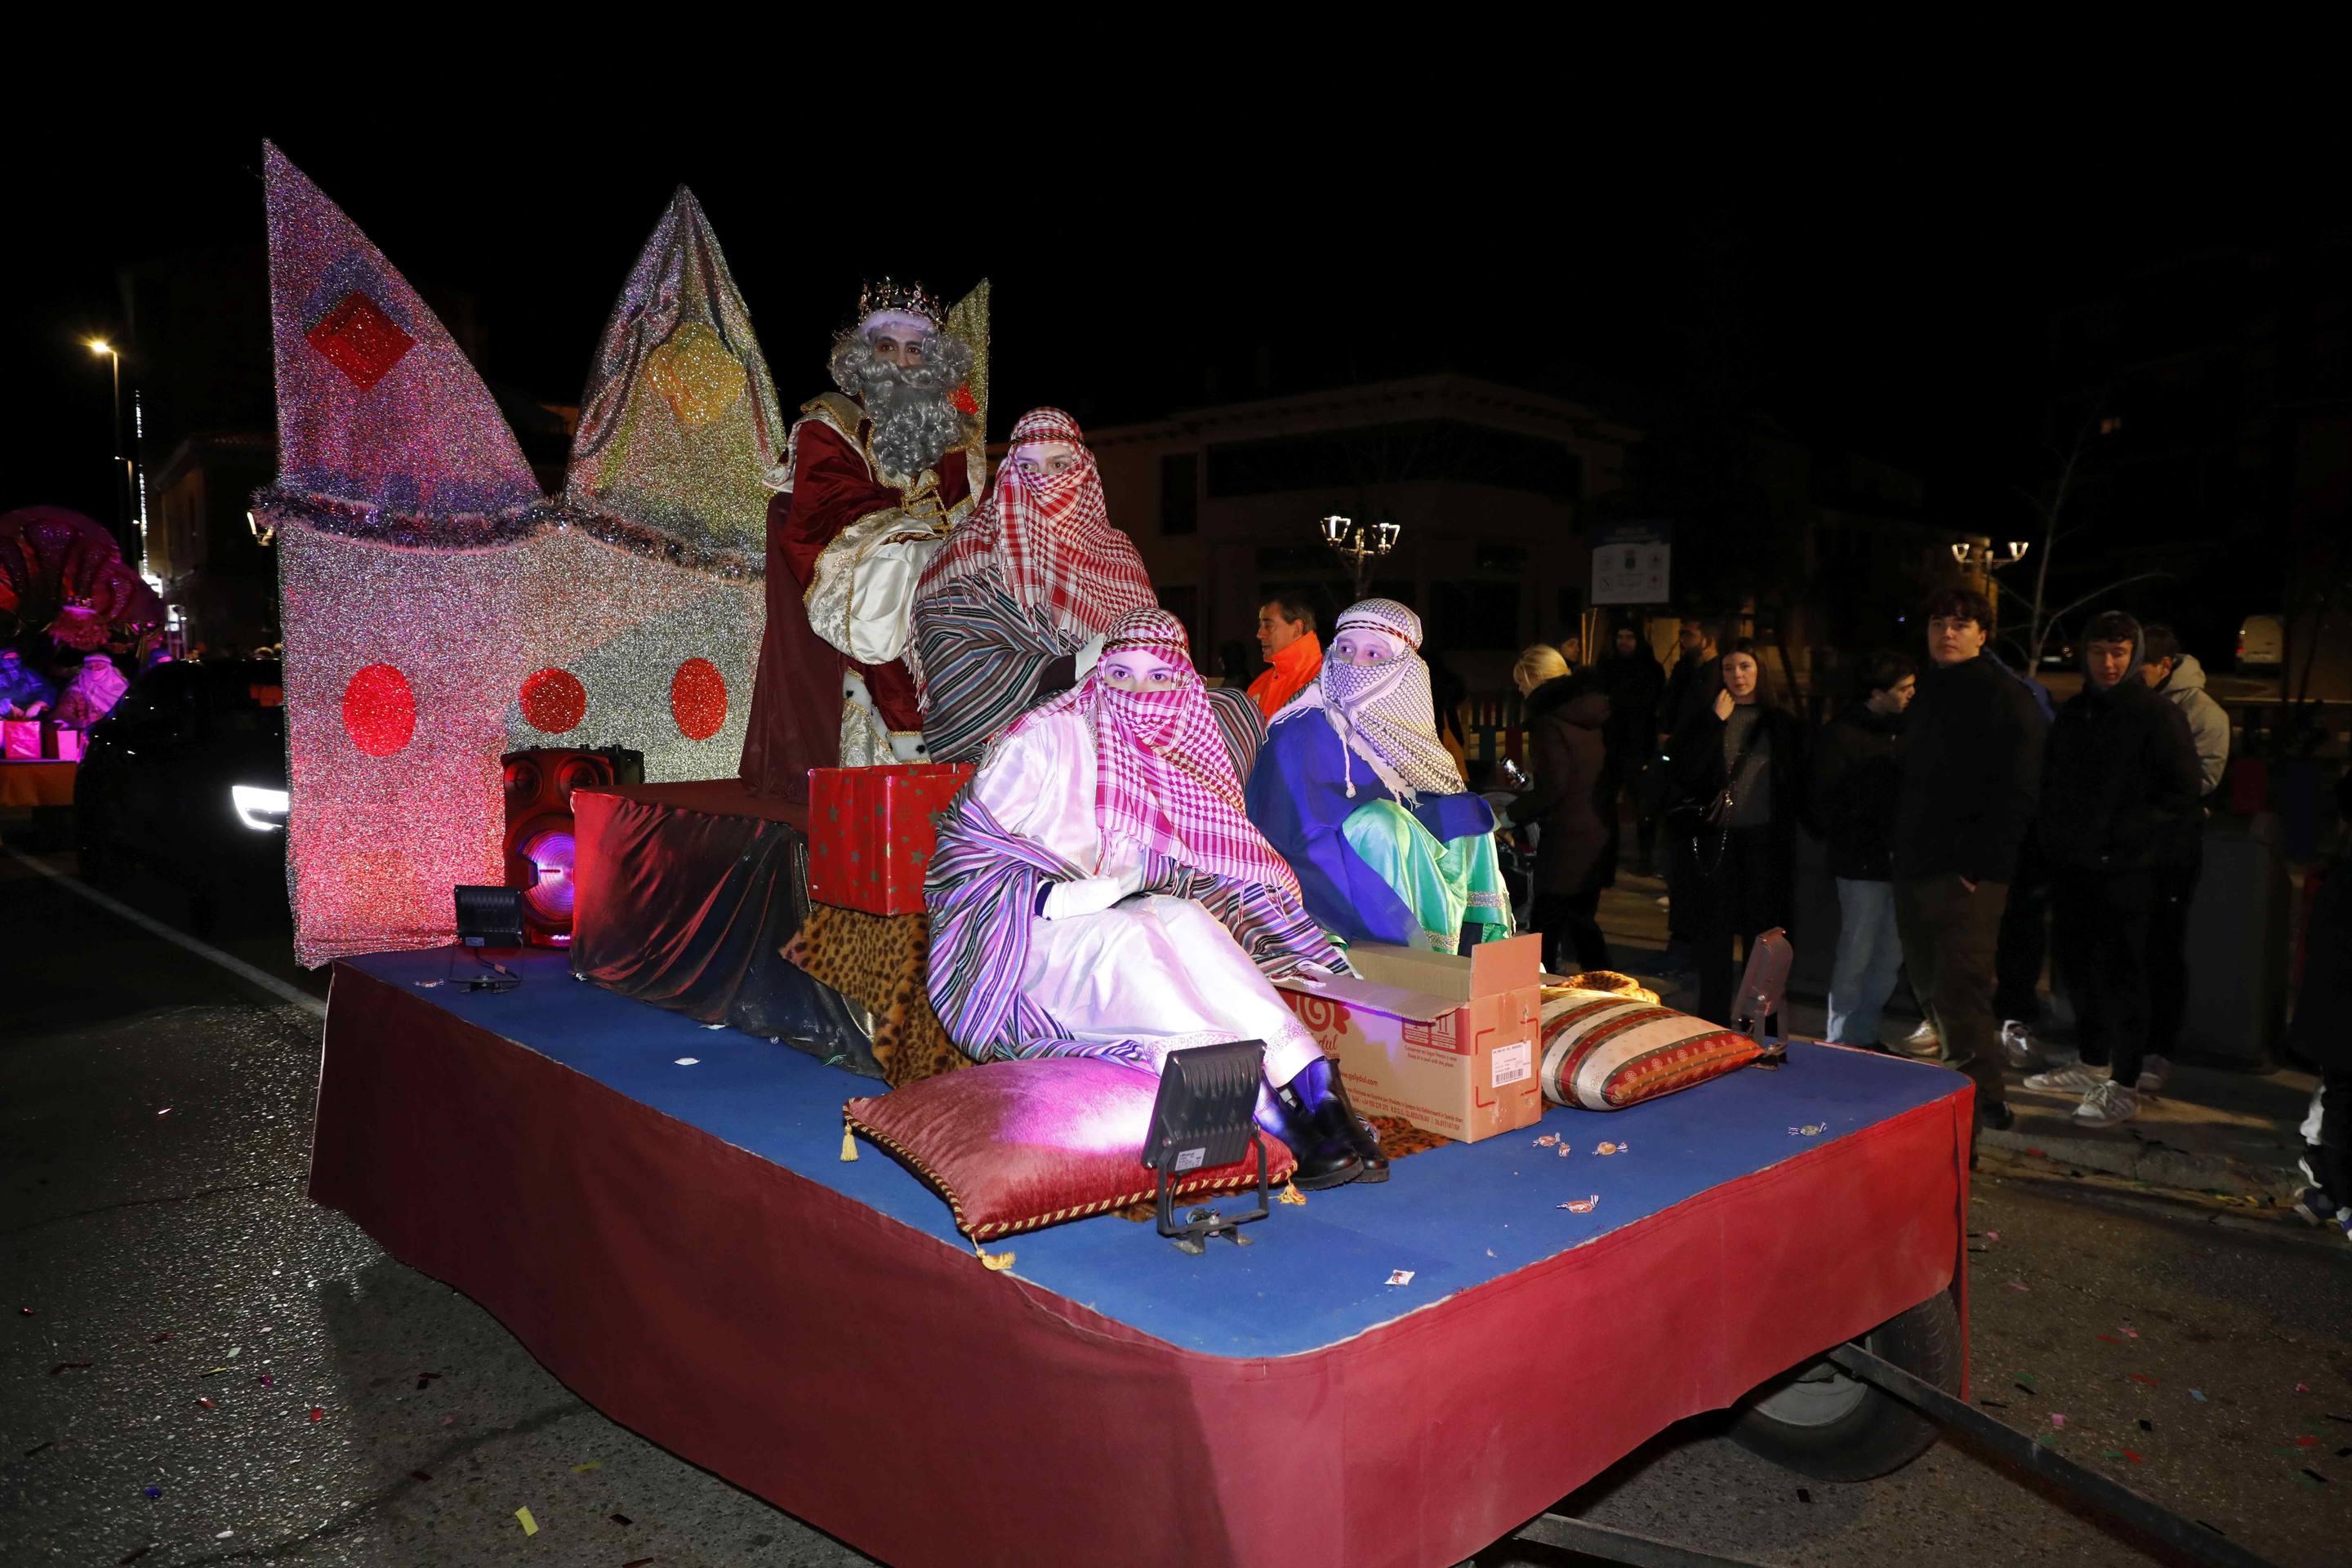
{"x": 1205, "y": 1116}
{"x": 490, "y": 917}
{"x": 1762, "y": 985}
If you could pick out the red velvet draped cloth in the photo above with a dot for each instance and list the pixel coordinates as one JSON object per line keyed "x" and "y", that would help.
{"x": 795, "y": 723}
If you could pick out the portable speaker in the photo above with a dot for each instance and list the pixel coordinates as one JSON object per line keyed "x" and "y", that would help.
{"x": 540, "y": 850}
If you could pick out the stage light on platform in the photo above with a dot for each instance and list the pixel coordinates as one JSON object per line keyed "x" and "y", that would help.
{"x": 263, "y": 810}
{"x": 1203, "y": 1117}
{"x": 490, "y": 917}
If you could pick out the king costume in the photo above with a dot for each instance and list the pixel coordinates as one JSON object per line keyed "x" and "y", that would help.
{"x": 1097, "y": 890}
{"x": 1356, "y": 791}
{"x": 880, "y": 471}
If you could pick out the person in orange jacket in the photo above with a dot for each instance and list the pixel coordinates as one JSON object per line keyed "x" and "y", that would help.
{"x": 1286, "y": 635}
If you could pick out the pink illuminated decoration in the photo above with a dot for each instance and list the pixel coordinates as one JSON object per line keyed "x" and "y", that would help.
{"x": 555, "y": 701}
{"x": 441, "y": 610}
{"x": 379, "y": 710}
{"x": 697, "y": 699}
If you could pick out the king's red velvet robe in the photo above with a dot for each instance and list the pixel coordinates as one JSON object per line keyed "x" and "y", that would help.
{"x": 796, "y": 699}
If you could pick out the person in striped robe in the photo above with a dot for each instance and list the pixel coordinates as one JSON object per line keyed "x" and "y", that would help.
{"x": 1013, "y": 608}
{"x": 1098, "y": 891}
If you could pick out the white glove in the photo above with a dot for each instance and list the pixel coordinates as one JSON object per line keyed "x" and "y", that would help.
{"x": 1086, "y": 896}
{"x": 1088, "y": 652}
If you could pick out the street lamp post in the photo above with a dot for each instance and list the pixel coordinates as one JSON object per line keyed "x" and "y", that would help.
{"x": 1359, "y": 544}
{"x": 123, "y": 485}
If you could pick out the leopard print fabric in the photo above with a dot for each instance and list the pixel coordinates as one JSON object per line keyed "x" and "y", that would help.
{"x": 880, "y": 961}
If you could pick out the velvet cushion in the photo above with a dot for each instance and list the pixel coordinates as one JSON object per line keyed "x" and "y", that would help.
{"x": 1605, "y": 1052}
{"x": 1015, "y": 1146}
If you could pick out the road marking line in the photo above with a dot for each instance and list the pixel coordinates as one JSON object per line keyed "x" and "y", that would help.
{"x": 209, "y": 953}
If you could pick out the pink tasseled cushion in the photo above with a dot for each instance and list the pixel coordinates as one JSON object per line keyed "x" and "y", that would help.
{"x": 1015, "y": 1146}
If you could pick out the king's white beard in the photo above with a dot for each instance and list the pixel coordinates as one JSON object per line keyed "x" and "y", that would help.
{"x": 914, "y": 422}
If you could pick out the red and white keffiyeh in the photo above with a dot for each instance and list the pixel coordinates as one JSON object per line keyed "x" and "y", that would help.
{"x": 1048, "y": 537}
{"x": 1383, "y": 711}
{"x": 1164, "y": 779}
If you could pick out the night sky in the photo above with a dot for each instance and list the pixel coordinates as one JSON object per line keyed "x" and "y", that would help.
{"x": 1861, "y": 297}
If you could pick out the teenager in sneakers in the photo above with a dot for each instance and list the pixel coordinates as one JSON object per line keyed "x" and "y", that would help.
{"x": 2118, "y": 793}
{"x": 1857, "y": 785}
{"x": 1971, "y": 768}
{"x": 2180, "y": 679}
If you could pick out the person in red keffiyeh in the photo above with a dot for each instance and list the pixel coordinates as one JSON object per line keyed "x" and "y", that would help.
{"x": 1013, "y": 608}
{"x": 1103, "y": 800}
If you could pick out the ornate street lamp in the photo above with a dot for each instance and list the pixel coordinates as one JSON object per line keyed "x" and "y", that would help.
{"x": 1971, "y": 554}
{"x": 1359, "y": 543}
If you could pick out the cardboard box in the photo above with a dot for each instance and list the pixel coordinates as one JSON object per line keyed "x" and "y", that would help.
{"x": 870, "y": 834}
{"x": 1450, "y": 1044}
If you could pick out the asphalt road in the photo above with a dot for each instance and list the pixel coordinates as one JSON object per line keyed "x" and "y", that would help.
{"x": 181, "y": 1318}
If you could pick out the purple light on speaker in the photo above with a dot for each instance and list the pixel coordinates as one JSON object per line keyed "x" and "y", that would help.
{"x": 551, "y": 853}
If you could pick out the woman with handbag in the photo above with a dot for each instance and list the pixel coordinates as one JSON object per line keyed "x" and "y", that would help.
{"x": 1737, "y": 769}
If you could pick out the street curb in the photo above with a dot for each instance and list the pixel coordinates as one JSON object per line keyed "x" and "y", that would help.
{"x": 2143, "y": 1159}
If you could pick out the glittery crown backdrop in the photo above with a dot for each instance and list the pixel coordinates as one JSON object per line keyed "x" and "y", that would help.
{"x": 438, "y": 611}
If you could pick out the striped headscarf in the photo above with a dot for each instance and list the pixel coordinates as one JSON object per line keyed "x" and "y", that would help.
{"x": 1048, "y": 538}
{"x": 1383, "y": 711}
{"x": 1164, "y": 780}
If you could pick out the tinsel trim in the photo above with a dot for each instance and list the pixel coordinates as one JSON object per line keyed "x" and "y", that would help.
{"x": 444, "y": 534}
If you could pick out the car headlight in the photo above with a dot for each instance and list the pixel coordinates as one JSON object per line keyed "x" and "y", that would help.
{"x": 263, "y": 810}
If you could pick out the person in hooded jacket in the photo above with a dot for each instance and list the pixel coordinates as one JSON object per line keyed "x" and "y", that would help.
{"x": 1739, "y": 770}
{"x": 1568, "y": 721}
{"x": 1857, "y": 788}
{"x": 2119, "y": 788}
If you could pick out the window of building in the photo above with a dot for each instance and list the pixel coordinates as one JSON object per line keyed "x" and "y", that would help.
{"x": 1180, "y": 492}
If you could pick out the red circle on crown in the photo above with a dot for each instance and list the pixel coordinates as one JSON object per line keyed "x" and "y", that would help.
{"x": 697, "y": 699}
{"x": 379, "y": 710}
{"x": 553, "y": 700}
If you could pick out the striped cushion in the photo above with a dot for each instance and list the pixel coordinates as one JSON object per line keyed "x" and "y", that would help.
{"x": 1605, "y": 1052}
{"x": 1015, "y": 1146}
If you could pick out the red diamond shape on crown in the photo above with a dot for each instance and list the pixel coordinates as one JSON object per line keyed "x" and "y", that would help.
{"x": 358, "y": 339}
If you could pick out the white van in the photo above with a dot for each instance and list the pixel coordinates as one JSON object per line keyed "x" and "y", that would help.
{"x": 2261, "y": 643}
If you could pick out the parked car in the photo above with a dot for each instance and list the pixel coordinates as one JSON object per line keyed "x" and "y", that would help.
{"x": 2261, "y": 643}
{"x": 186, "y": 779}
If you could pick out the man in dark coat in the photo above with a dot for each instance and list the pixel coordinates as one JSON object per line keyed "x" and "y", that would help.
{"x": 1692, "y": 687}
{"x": 2119, "y": 801}
{"x": 1857, "y": 787}
{"x": 1971, "y": 772}
{"x": 1568, "y": 718}
{"x": 1634, "y": 681}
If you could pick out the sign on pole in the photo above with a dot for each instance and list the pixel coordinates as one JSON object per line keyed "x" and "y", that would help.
{"x": 1630, "y": 563}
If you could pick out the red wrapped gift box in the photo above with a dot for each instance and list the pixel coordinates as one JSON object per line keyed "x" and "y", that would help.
{"x": 870, "y": 836}
{"x": 61, "y": 745}
{"x": 21, "y": 738}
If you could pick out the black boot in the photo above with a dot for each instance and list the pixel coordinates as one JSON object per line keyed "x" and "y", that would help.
{"x": 1338, "y": 1113}
{"x": 1327, "y": 1158}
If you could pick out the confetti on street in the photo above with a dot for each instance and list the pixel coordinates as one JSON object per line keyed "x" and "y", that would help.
{"x": 2058, "y": 1421}
{"x": 585, "y": 1467}
{"x": 529, "y": 1525}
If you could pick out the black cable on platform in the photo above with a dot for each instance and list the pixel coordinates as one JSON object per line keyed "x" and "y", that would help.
{"x": 2198, "y": 1540}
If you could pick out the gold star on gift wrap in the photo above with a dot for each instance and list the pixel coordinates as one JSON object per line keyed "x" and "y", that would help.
{"x": 697, "y": 374}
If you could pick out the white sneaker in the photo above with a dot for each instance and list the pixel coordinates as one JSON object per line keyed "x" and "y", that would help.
{"x": 2108, "y": 1104}
{"x": 2076, "y": 1078}
{"x": 2154, "y": 1072}
{"x": 2017, "y": 1044}
{"x": 1921, "y": 1043}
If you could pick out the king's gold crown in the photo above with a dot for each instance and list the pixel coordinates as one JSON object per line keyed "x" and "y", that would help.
{"x": 889, "y": 294}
